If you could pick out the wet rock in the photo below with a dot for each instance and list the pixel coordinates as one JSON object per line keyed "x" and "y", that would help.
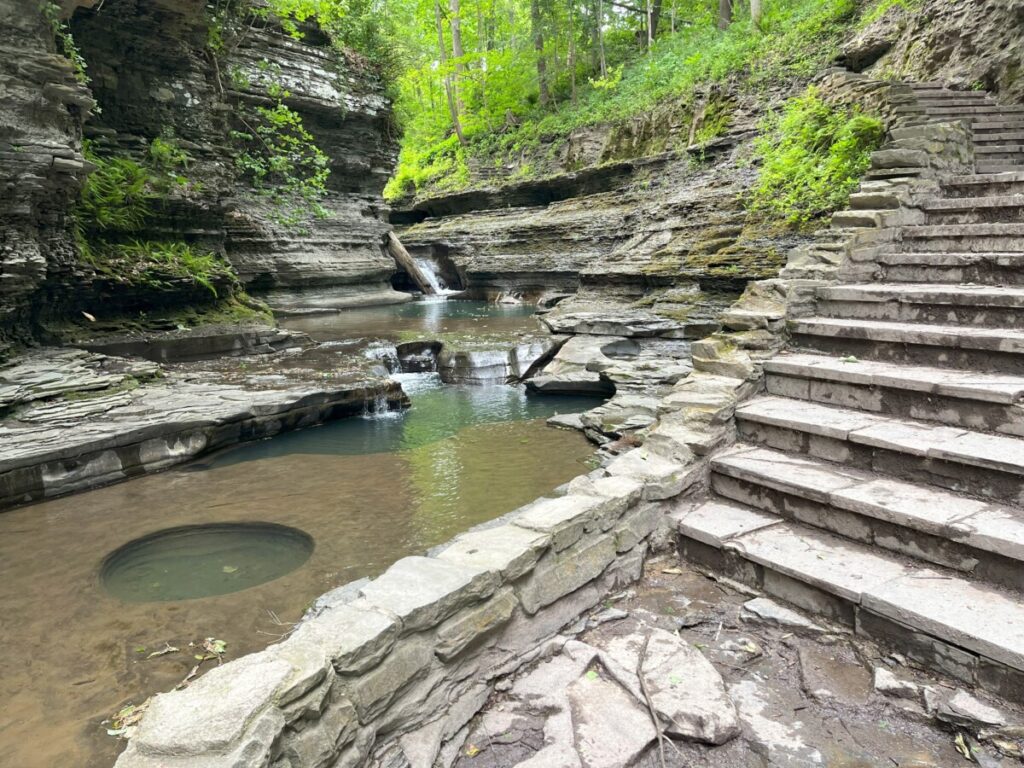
{"x": 833, "y": 673}
{"x": 964, "y": 709}
{"x": 779, "y": 741}
{"x": 886, "y": 682}
{"x": 566, "y": 421}
{"x": 764, "y": 611}
{"x": 684, "y": 687}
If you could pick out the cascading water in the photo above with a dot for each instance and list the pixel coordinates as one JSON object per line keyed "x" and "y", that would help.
{"x": 429, "y": 270}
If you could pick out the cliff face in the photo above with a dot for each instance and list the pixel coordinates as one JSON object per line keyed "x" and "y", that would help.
{"x": 155, "y": 75}
{"x": 968, "y": 44}
{"x": 159, "y": 76}
{"x": 41, "y": 110}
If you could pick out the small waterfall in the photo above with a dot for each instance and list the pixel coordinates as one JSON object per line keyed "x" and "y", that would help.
{"x": 387, "y": 354}
{"x": 376, "y": 406}
{"x": 429, "y": 270}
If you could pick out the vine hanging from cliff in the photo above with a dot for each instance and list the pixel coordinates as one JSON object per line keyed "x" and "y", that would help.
{"x": 65, "y": 42}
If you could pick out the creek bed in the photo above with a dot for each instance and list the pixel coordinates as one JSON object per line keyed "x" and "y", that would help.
{"x": 367, "y": 490}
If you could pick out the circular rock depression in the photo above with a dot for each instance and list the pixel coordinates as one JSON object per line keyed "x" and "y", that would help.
{"x": 203, "y": 560}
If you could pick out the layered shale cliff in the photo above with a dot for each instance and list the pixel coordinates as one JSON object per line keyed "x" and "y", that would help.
{"x": 166, "y": 75}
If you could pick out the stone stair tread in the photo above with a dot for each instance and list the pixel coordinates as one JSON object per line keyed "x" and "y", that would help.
{"x": 968, "y": 203}
{"x": 994, "y": 339}
{"x": 927, "y": 293}
{"x": 981, "y": 618}
{"x": 963, "y": 230}
{"x": 951, "y": 258}
{"x": 714, "y": 521}
{"x": 975, "y": 616}
{"x": 915, "y": 438}
{"x": 985, "y": 525}
{"x": 997, "y": 148}
{"x": 971, "y": 385}
{"x": 985, "y": 178}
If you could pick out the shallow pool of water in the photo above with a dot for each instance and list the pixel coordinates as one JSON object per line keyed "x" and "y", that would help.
{"x": 420, "y": 318}
{"x": 368, "y": 492}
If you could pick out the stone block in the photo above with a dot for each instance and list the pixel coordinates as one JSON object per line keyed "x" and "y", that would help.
{"x": 558, "y": 574}
{"x": 354, "y": 636}
{"x": 638, "y": 525}
{"x": 565, "y": 518}
{"x": 214, "y": 713}
{"x": 661, "y": 477}
{"x": 621, "y": 493}
{"x": 477, "y": 621}
{"x": 320, "y": 741}
{"x": 507, "y": 550}
{"x": 372, "y": 691}
{"x": 423, "y": 591}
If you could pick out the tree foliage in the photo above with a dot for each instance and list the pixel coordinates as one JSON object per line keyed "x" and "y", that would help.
{"x": 603, "y": 61}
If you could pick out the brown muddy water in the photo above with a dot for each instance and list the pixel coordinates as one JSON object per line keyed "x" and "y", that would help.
{"x": 368, "y": 491}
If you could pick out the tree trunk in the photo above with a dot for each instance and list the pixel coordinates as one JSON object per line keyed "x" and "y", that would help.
{"x": 538, "y": 46}
{"x": 600, "y": 38}
{"x": 655, "y": 18}
{"x": 755, "y": 12}
{"x": 405, "y": 261}
{"x": 724, "y": 14}
{"x": 572, "y": 49}
{"x": 453, "y": 108}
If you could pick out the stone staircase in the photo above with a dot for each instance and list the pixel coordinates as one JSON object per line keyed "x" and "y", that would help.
{"x": 879, "y": 480}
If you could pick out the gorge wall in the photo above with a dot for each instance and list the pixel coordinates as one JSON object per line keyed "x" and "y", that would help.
{"x": 155, "y": 73}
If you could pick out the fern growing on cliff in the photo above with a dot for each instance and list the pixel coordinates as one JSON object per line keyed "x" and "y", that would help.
{"x": 116, "y": 202}
{"x": 812, "y": 157}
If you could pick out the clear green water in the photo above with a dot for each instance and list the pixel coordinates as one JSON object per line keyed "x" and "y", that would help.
{"x": 203, "y": 560}
{"x": 438, "y": 412}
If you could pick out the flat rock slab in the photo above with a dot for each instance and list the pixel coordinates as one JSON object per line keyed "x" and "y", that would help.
{"x": 610, "y": 727}
{"x": 684, "y": 686}
{"x": 614, "y": 323}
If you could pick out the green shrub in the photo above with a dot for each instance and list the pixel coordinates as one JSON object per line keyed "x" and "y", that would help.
{"x": 812, "y": 156}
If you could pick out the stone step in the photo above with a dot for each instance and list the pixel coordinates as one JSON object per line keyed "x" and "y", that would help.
{"x": 998, "y": 166}
{"x": 938, "y": 618}
{"x": 993, "y": 110}
{"x": 974, "y": 210}
{"x": 982, "y": 268}
{"x": 968, "y": 535}
{"x": 1005, "y": 154}
{"x": 973, "y": 305}
{"x": 995, "y": 138}
{"x": 971, "y": 238}
{"x": 981, "y": 185}
{"x": 934, "y": 100}
{"x": 983, "y": 126}
{"x": 968, "y": 399}
{"x": 976, "y": 463}
{"x": 945, "y": 346}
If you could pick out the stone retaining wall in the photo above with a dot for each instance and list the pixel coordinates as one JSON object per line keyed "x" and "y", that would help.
{"x": 390, "y": 671}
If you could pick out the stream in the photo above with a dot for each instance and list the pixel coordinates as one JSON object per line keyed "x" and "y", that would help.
{"x": 352, "y": 496}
